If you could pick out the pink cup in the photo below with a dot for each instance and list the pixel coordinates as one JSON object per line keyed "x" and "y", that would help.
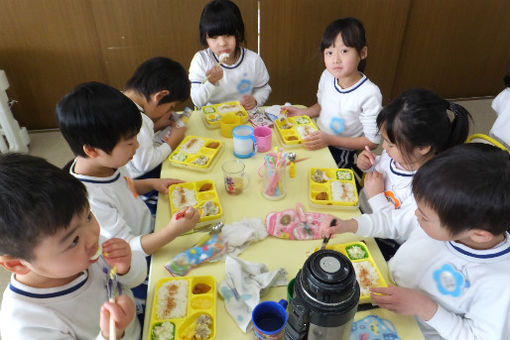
{"x": 263, "y": 136}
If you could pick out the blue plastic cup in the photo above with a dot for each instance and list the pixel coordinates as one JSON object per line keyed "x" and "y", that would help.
{"x": 269, "y": 319}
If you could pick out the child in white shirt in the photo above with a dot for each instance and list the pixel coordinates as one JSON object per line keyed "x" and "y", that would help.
{"x": 501, "y": 104}
{"x": 241, "y": 75}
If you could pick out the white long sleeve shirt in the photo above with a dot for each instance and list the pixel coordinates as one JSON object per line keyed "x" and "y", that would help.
{"x": 148, "y": 155}
{"x": 118, "y": 212}
{"x": 357, "y": 106}
{"x": 248, "y": 74}
{"x": 67, "y": 312}
{"x": 501, "y": 128}
{"x": 470, "y": 286}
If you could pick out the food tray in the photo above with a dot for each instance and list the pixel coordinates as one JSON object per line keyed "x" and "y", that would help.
{"x": 211, "y": 114}
{"x": 295, "y": 134}
{"x": 187, "y": 153}
{"x": 196, "y": 304}
{"x": 202, "y": 192}
{"x": 336, "y": 189}
{"x": 359, "y": 255}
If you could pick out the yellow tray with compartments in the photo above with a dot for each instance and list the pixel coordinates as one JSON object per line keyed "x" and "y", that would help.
{"x": 334, "y": 188}
{"x": 367, "y": 272}
{"x": 196, "y": 153}
{"x": 176, "y": 318}
{"x": 211, "y": 114}
{"x": 202, "y": 195}
{"x": 293, "y": 130}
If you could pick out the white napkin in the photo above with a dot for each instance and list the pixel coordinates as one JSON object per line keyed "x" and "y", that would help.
{"x": 240, "y": 234}
{"x": 245, "y": 282}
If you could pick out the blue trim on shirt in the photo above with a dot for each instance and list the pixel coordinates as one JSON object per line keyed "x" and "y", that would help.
{"x": 348, "y": 91}
{"x": 99, "y": 181}
{"x": 259, "y": 87}
{"x": 395, "y": 171}
{"x": 233, "y": 66}
{"x": 478, "y": 256}
{"x": 49, "y": 295}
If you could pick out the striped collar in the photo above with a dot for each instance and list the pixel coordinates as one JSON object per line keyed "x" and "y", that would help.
{"x": 400, "y": 172}
{"x": 499, "y": 250}
{"x": 91, "y": 179}
{"x": 352, "y": 88}
{"x": 30, "y": 292}
{"x": 241, "y": 58}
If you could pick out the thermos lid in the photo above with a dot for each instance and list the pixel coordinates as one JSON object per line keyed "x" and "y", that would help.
{"x": 328, "y": 276}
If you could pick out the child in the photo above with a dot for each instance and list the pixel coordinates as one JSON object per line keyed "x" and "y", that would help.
{"x": 157, "y": 85}
{"x": 452, "y": 273}
{"x": 501, "y": 104}
{"x": 49, "y": 239}
{"x": 101, "y": 126}
{"x": 414, "y": 127}
{"x": 347, "y": 101}
{"x": 241, "y": 76}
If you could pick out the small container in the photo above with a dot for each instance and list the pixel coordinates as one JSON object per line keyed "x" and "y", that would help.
{"x": 201, "y": 157}
{"x": 227, "y": 123}
{"x": 293, "y": 131}
{"x": 263, "y": 136}
{"x": 274, "y": 176}
{"x": 234, "y": 176}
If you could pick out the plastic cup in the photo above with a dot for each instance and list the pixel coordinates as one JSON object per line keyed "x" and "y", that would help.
{"x": 234, "y": 176}
{"x": 263, "y": 136}
{"x": 269, "y": 319}
{"x": 227, "y": 122}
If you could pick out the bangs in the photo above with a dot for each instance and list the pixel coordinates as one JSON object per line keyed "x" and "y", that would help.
{"x": 213, "y": 28}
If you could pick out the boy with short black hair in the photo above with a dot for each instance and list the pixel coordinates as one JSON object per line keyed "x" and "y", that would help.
{"x": 50, "y": 242}
{"x": 101, "y": 124}
{"x": 452, "y": 272}
{"x": 156, "y": 87}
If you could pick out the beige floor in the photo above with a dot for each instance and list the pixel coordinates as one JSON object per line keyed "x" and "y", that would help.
{"x": 52, "y": 146}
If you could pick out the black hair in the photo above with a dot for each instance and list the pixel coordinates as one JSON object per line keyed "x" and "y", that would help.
{"x": 419, "y": 118}
{"x": 158, "y": 74}
{"x": 37, "y": 199}
{"x": 468, "y": 187}
{"x": 506, "y": 79}
{"x": 97, "y": 115}
{"x": 221, "y": 17}
{"x": 353, "y": 35}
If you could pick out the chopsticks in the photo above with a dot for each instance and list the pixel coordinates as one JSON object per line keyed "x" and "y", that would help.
{"x": 113, "y": 292}
{"x": 222, "y": 58}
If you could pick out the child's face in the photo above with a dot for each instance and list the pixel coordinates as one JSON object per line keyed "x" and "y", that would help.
{"x": 122, "y": 153}
{"x": 67, "y": 253}
{"x": 429, "y": 222}
{"x": 342, "y": 61}
{"x": 155, "y": 111}
{"x": 222, "y": 44}
{"x": 409, "y": 162}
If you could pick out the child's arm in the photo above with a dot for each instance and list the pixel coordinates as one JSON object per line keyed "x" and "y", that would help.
{"x": 319, "y": 139}
{"x": 122, "y": 311}
{"x": 146, "y": 185}
{"x": 404, "y": 301}
{"x": 366, "y": 159}
{"x": 176, "y": 135}
{"x": 200, "y": 93}
{"x": 177, "y": 225}
{"x": 261, "y": 89}
{"x": 312, "y": 111}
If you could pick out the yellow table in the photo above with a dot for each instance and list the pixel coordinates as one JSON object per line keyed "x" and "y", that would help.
{"x": 274, "y": 252}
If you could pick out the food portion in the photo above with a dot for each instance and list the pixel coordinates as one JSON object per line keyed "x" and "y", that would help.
{"x": 367, "y": 277}
{"x": 202, "y": 160}
{"x": 319, "y": 176}
{"x": 322, "y": 196}
{"x": 356, "y": 252}
{"x": 192, "y": 146}
{"x": 172, "y": 299}
{"x": 205, "y": 187}
{"x": 225, "y": 108}
{"x": 182, "y": 197}
{"x": 333, "y": 187}
{"x": 208, "y": 209}
{"x": 342, "y": 191}
{"x": 201, "y": 330}
{"x": 212, "y": 145}
{"x": 201, "y": 288}
{"x": 163, "y": 331}
{"x": 304, "y": 130}
{"x": 197, "y": 153}
{"x": 181, "y": 157}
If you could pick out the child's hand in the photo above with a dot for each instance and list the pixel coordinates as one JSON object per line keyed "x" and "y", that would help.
{"x": 117, "y": 252}
{"x": 163, "y": 121}
{"x": 214, "y": 74}
{"x": 293, "y": 111}
{"x": 162, "y": 184}
{"x": 373, "y": 183}
{"x": 316, "y": 140}
{"x": 122, "y": 311}
{"x": 404, "y": 301}
{"x": 176, "y": 135}
{"x": 342, "y": 226}
{"x": 249, "y": 102}
{"x": 366, "y": 159}
{"x": 184, "y": 220}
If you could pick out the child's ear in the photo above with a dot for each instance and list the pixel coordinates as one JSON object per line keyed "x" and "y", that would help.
{"x": 156, "y": 97}
{"x": 90, "y": 151}
{"x": 481, "y": 236}
{"x": 364, "y": 52}
{"x": 424, "y": 150}
{"x": 14, "y": 264}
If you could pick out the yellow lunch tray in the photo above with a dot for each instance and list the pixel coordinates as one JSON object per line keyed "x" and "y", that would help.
{"x": 293, "y": 135}
{"x": 212, "y": 113}
{"x": 184, "y": 157}
{"x": 196, "y": 305}
{"x": 202, "y": 191}
{"x": 364, "y": 255}
{"x": 321, "y": 193}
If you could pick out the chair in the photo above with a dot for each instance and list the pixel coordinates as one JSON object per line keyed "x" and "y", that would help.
{"x": 481, "y": 138}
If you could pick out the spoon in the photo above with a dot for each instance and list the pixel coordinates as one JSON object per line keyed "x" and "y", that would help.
{"x": 292, "y": 167}
{"x": 215, "y": 229}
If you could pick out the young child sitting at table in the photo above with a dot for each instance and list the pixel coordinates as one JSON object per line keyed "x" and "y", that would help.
{"x": 225, "y": 71}
{"x": 414, "y": 127}
{"x": 157, "y": 85}
{"x": 347, "y": 101}
{"x": 501, "y": 104}
{"x": 452, "y": 271}
{"x": 50, "y": 242}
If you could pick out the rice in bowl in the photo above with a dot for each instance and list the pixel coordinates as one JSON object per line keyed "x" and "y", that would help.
{"x": 172, "y": 299}
{"x": 182, "y": 197}
{"x": 367, "y": 277}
